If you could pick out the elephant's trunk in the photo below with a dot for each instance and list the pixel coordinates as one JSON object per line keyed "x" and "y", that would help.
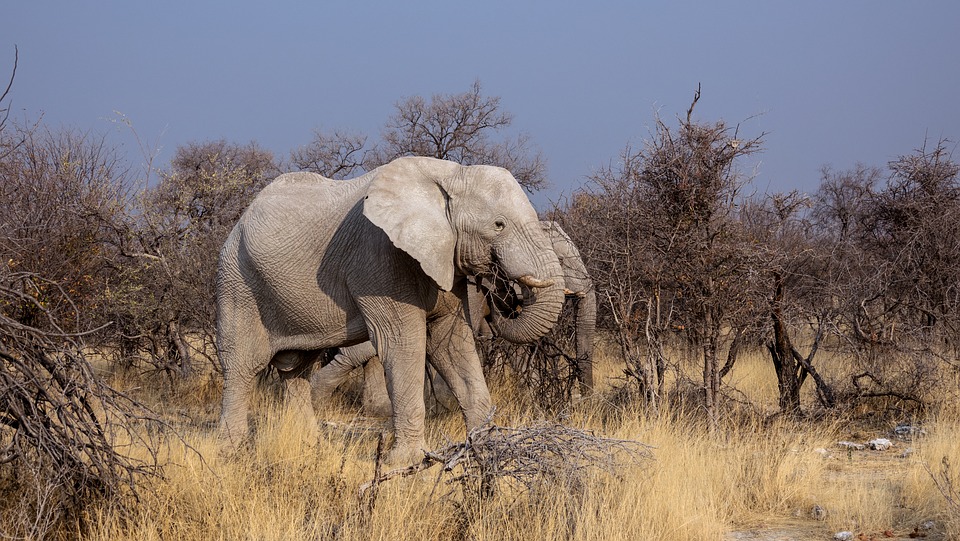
{"x": 538, "y": 269}
{"x": 586, "y": 324}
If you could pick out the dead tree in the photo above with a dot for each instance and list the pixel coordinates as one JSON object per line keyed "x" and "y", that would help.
{"x": 660, "y": 237}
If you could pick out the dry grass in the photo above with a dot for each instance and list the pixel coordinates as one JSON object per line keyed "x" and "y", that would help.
{"x": 754, "y": 473}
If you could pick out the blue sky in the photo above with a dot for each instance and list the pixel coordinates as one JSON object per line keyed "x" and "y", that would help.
{"x": 829, "y": 82}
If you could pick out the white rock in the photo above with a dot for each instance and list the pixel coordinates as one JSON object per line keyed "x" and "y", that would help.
{"x": 843, "y": 536}
{"x": 880, "y": 444}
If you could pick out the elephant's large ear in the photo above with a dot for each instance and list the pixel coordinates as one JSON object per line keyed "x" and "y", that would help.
{"x": 406, "y": 201}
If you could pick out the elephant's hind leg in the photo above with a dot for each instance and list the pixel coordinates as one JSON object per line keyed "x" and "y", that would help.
{"x": 298, "y": 406}
{"x": 242, "y": 354}
{"x": 237, "y": 389}
{"x": 453, "y": 353}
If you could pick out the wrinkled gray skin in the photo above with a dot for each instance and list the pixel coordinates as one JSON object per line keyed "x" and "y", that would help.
{"x": 315, "y": 263}
{"x": 376, "y": 403}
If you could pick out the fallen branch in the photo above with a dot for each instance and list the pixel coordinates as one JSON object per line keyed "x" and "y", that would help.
{"x": 526, "y": 456}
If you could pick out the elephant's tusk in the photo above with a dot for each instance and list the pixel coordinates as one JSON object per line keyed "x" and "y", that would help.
{"x": 530, "y": 281}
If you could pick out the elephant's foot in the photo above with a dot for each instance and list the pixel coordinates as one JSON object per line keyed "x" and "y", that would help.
{"x": 232, "y": 431}
{"x": 306, "y": 429}
{"x": 405, "y": 453}
{"x": 478, "y": 415}
{"x": 229, "y": 446}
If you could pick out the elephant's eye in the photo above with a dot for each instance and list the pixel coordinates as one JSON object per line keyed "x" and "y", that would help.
{"x": 499, "y": 225}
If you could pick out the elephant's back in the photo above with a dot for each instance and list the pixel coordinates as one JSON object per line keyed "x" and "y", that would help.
{"x": 282, "y": 245}
{"x": 290, "y": 223}
{"x": 305, "y": 186}
{"x": 299, "y": 203}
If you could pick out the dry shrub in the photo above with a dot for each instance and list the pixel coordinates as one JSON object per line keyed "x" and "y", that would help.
{"x": 547, "y": 369}
{"x": 525, "y": 458}
{"x": 935, "y": 483}
{"x": 65, "y": 435}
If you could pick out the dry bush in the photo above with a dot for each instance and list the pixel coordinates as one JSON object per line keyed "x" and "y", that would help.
{"x": 525, "y": 458}
{"x": 162, "y": 299}
{"x": 672, "y": 266}
{"x": 462, "y": 128}
{"x": 60, "y": 191}
{"x": 892, "y": 278}
{"x": 468, "y": 128}
{"x": 547, "y": 369}
{"x": 65, "y": 435}
{"x": 530, "y": 463}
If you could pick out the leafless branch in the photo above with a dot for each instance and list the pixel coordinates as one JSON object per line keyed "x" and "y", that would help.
{"x": 13, "y": 74}
{"x": 524, "y": 456}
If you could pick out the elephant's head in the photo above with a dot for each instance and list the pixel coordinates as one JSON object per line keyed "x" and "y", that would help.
{"x": 470, "y": 220}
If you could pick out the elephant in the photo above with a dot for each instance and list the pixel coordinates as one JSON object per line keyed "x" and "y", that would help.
{"x": 315, "y": 263}
{"x": 578, "y": 287}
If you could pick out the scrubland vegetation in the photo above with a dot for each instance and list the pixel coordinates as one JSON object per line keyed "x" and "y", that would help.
{"x": 742, "y": 336}
{"x": 751, "y": 472}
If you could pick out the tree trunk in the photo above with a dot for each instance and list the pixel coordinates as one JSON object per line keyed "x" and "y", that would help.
{"x": 711, "y": 372}
{"x": 790, "y": 373}
{"x": 182, "y": 349}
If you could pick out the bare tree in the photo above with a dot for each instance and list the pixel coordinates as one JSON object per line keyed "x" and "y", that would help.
{"x": 796, "y": 264}
{"x": 59, "y": 191}
{"x": 841, "y": 199}
{"x": 665, "y": 248}
{"x": 60, "y": 423}
{"x": 62, "y": 428}
{"x": 7, "y": 146}
{"x": 170, "y": 247}
{"x": 460, "y": 128}
{"x": 614, "y": 227}
{"x": 886, "y": 247}
{"x": 913, "y": 224}
{"x": 904, "y": 313}
{"x": 467, "y": 128}
{"x": 338, "y": 155}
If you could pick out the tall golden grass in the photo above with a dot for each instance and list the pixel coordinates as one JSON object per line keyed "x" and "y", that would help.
{"x": 752, "y": 473}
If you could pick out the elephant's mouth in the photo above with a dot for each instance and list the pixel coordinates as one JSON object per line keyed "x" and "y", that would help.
{"x": 523, "y": 306}
{"x": 507, "y": 299}
{"x": 508, "y": 296}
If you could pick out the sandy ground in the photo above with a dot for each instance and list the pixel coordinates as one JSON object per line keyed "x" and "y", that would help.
{"x": 885, "y": 465}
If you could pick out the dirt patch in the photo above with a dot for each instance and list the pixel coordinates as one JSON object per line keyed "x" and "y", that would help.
{"x": 778, "y": 534}
{"x": 885, "y": 470}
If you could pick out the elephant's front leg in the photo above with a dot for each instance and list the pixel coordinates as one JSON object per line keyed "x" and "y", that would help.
{"x": 453, "y": 353}
{"x": 402, "y": 351}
